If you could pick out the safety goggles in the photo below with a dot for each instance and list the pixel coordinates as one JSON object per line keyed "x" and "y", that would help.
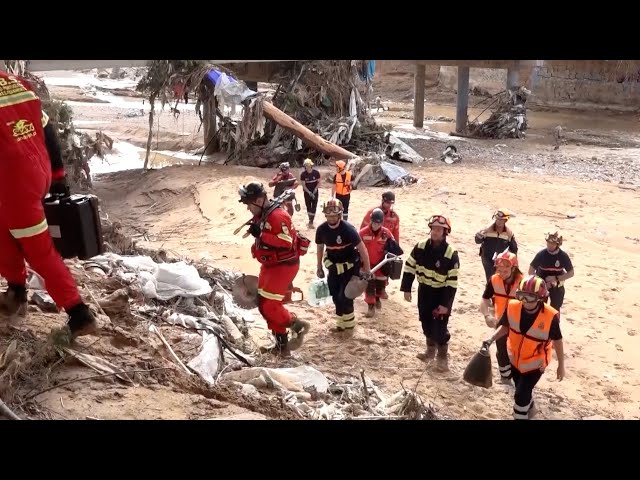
{"x": 526, "y": 297}
{"x": 501, "y": 215}
{"x": 437, "y": 219}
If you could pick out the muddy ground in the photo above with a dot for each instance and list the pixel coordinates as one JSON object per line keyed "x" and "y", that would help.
{"x": 192, "y": 211}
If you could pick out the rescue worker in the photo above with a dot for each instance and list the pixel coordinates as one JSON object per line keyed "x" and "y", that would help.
{"x": 391, "y": 221}
{"x": 341, "y": 189}
{"x": 310, "y": 178}
{"x": 533, "y": 330}
{"x": 495, "y": 239}
{"x": 554, "y": 266}
{"x": 378, "y": 240}
{"x": 345, "y": 257}
{"x": 434, "y": 262}
{"x": 284, "y": 180}
{"x": 501, "y": 288}
{"x": 277, "y": 249}
{"x": 30, "y": 167}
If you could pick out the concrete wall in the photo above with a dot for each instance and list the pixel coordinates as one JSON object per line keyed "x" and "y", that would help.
{"x": 604, "y": 82}
{"x": 563, "y": 82}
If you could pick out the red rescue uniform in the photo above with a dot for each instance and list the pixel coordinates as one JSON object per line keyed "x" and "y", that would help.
{"x": 391, "y": 221}
{"x": 375, "y": 242}
{"x": 25, "y": 179}
{"x": 277, "y": 253}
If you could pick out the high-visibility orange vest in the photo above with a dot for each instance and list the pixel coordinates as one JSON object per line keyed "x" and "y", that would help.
{"x": 530, "y": 350}
{"x": 500, "y": 294}
{"x": 343, "y": 187}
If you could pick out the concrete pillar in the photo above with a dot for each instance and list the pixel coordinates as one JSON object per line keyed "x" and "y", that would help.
{"x": 513, "y": 76}
{"x": 462, "y": 105}
{"x": 418, "y": 96}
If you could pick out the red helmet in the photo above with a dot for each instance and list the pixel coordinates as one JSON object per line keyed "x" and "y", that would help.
{"x": 440, "y": 221}
{"x": 531, "y": 289}
{"x": 508, "y": 257}
{"x": 333, "y": 206}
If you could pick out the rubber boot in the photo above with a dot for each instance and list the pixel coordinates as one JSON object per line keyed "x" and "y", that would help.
{"x": 378, "y": 304}
{"x": 300, "y": 328}
{"x": 442, "y": 358}
{"x": 311, "y": 221}
{"x": 371, "y": 311}
{"x": 384, "y": 295}
{"x": 430, "y": 353}
{"x": 13, "y": 302}
{"x": 81, "y": 321}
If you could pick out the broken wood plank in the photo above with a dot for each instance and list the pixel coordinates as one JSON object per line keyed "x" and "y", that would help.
{"x": 304, "y": 134}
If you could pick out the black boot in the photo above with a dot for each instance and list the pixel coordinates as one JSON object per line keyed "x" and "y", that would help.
{"x": 14, "y": 301}
{"x": 430, "y": 353}
{"x": 81, "y": 321}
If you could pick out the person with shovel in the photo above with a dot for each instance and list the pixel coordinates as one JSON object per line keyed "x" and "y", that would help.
{"x": 434, "y": 262}
{"x": 501, "y": 288}
{"x": 533, "y": 330}
{"x": 282, "y": 181}
{"x": 277, "y": 248}
{"x": 378, "y": 240}
{"x": 310, "y": 178}
{"x": 345, "y": 255}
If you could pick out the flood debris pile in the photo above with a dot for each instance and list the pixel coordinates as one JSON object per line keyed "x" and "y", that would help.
{"x": 508, "y": 118}
{"x": 312, "y": 395}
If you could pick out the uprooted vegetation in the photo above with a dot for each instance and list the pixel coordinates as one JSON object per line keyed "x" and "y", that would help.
{"x": 167, "y": 339}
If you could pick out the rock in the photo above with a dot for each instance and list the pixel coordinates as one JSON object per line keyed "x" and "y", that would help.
{"x": 631, "y": 332}
{"x": 44, "y": 301}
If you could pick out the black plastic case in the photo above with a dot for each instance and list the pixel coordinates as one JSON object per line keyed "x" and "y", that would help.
{"x": 74, "y": 225}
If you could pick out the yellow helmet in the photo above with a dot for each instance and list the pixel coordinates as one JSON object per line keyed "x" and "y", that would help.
{"x": 308, "y": 161}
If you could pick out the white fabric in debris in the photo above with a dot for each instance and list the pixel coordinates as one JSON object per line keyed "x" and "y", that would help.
{"x": 162, "y": 281}
{"x": 296, "y": 379}
{"x": 402, "y": 151}
{"x": 208, "y": 362}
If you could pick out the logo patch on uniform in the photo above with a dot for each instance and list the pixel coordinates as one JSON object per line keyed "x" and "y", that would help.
{"x": 541, "y": 325}
{"x": 22, "y": 129}
{"x": 285, "y": 230}
{"x": 339, "y": 240}
{"x": 557, "y": 263}
{"x": 438, "y": 264}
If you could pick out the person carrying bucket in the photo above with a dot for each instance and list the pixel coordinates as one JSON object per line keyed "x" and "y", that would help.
{"x": 533, "y": 330}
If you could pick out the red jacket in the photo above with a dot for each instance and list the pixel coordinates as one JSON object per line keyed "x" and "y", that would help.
{"x": 374, "y": 242}
{"x": 278, "y": 239}
{"x": 22, "y": 124}
{"x": 391, "y": 221}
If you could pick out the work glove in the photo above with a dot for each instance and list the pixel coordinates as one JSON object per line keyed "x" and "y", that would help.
{"x": 60, "y": 188}
{"x": 254, "y": 229}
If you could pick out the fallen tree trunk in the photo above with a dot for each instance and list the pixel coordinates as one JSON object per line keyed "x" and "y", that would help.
{"x": 304, "y": 134}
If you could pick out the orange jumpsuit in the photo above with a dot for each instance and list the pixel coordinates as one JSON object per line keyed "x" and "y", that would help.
{"x": 25, "y": 178}
{"x": 276, "y": 251}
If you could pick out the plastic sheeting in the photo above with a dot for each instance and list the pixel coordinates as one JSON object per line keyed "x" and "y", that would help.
{"x": 162, "y": 281}
{"x": 298, "y": 379}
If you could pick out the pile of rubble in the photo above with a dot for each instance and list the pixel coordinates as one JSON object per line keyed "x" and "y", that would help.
{"x": 137, "y": 293}
{"x": 508, "y": 119}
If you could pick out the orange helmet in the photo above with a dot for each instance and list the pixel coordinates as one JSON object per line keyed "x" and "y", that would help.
{"x": 531, "y": 289}
{"x": 508, "y": 257}
{"x": 440, "y": 221}
{"x": 340, "y": 165}
{"x": 502, "y": 213}
{"x": 333, "y": 206}
{"x": 553, "y": 238}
